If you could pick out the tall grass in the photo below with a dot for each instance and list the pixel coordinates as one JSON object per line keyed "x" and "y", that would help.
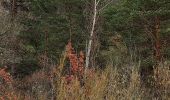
{"x": 110, "y": 85}
{"x": 107, "y": 84}
{"x": 121, "y": 82}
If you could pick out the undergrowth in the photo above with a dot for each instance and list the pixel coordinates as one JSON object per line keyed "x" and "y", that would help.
{"x": 111, "y": 83}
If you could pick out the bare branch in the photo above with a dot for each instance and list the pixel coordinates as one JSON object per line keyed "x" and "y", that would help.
{"x": 98, "y": 2}
{"x": 109, "y": 2}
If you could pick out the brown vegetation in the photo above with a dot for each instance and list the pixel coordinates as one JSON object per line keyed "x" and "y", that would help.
{"x": 108, "y": 84}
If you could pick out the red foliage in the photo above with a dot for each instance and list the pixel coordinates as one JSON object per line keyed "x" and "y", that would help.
{"x": 76, "y": 62}
{"x": 7, "y": 94}
{"x": 6, "y": 76}
{"x": 69, "y": 78}
{"x": 72, "y": 57}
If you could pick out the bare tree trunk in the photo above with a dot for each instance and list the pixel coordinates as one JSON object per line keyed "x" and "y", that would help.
{"x": 13, "y": 8}
{"x": 153, "y": 31}
{"x": 157, "y": 43}
{"x": 91, "y": 35}
{"x": 103, "y": 4}
{"x": 46, "y": 51}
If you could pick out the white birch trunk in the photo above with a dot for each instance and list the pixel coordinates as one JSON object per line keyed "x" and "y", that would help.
{"x": 95, "y": 12}
{"x": 89, "y": 47}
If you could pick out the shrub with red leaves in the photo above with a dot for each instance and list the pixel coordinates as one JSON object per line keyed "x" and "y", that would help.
{"x": 76, "y": 62}
{"x": 6, "y": 76}
{"x": 6, "y": 93}
{"x": 72, "y": 57}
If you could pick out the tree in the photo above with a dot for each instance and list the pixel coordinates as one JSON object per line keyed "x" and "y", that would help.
{"x": 97, "y": 8}
{"x": 50, "y": 25}
{"x": 143, "y": 19}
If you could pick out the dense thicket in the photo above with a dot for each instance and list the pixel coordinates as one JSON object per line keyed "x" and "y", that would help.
{"x": 125, "y": 29}
{"x": 85, "y": 49}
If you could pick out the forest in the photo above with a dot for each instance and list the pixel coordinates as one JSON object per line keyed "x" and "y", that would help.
{"x": 84, "y": 50}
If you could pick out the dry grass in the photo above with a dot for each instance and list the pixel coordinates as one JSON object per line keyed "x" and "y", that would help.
{"x": 108, "y": 84}
{"x": 162, "y": 80}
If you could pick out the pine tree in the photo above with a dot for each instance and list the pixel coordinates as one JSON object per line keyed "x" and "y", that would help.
{"x": 51, "y": 24}
{"x": 143, "y": 19}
